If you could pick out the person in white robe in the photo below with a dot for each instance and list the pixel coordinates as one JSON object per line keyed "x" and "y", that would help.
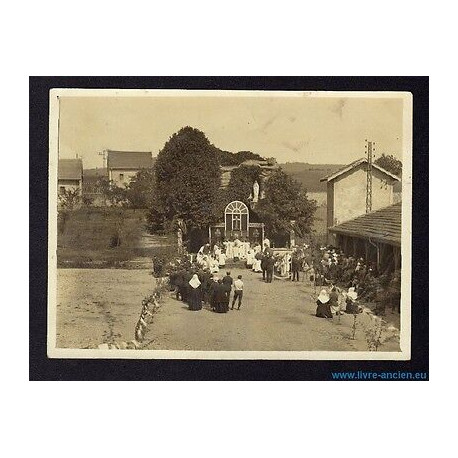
{"x": 216, "y": 251}
{"x": 284, "y": 266}
{"x": 243, "y": 249}
{"x": 208, "y": 263}
{"x": 257, "y": 265}
{"x": 230, "y": 250}
{"x": 249, "y": 257}
{"x": 214, "y": 269}
{"x": 222, "y": 259}
{"x": 236, "y": 248}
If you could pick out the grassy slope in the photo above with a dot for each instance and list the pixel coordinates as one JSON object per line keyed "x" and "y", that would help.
{"x": 86, "y": 236}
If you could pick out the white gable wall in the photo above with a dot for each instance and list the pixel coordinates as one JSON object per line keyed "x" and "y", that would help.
{"x": 350, "y": 194}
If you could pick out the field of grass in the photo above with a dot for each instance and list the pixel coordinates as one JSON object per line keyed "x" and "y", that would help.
{"x": 104, "y": 237}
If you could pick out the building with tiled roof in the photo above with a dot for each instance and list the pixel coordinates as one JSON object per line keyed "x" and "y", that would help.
{"x": 346, "y": 191}
{"x": 375, "y": 236}
{"x": 122, "y": 166}
{"x": 70, "y": 175}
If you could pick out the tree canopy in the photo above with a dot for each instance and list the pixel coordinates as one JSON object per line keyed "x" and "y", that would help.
{"x": 228, "y": 158}
{"x": 187, "y": 189}
{"x": 285, "y": 201}
{"x": 390, "y": 164}
{"x": 186, "y": 175}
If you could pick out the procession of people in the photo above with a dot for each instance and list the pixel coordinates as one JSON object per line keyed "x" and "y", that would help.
{"x": 204, "y": 280}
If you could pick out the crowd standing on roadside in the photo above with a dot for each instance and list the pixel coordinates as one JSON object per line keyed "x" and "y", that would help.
{"x": 343, "y": 279}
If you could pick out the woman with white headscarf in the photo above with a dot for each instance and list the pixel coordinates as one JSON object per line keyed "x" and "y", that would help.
{"x": 350, "y": 301}
{"x": 323, "y": 309}
{"x": 195, "y": 293}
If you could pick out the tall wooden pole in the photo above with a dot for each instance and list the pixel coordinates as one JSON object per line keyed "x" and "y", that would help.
{"x": 370, "y": 148}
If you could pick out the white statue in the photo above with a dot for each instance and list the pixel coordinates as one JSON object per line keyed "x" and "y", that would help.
{"x": 255, "y": 191}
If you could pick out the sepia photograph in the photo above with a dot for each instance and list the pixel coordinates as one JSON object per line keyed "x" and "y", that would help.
{"x": 224, "y": 224}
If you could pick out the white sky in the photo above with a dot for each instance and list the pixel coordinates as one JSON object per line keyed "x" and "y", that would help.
{"x": 304, "y": 129}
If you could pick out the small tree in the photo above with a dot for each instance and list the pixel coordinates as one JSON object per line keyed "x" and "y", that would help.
{"x": 140, "y": 190}
{"x": 111, "y": 193}
{"x": 390, "y": 164}
{"x": 69, "y": 198}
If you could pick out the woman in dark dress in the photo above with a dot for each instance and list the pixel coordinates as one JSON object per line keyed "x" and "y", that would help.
{"x": 323, "y": 309}
{"x": 220, "y": 298}
{"x": 195, "y": 293}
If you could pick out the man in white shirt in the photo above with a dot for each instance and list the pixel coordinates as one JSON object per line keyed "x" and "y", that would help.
{"x": 238, "y": 292}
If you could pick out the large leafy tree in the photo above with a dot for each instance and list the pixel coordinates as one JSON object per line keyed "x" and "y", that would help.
{"x": 187, "y": 176}
{"x": 390, "y": 163}
{"x": 286, "y": 201}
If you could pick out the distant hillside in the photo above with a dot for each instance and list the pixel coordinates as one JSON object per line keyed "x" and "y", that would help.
{"x": 310, "y": 174}
{"x": 97, "y": 172}
{"x": 307, "y": 174}
{"x": 228, "y": 158}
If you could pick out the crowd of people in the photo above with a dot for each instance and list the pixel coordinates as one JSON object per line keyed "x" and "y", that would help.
{"x": 198, "y": 286}
{"x": 342, "y": 279}
{"x": 348, "y": 277}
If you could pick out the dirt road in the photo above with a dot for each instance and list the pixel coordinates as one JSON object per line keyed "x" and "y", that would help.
{"x": 98, "y": 306}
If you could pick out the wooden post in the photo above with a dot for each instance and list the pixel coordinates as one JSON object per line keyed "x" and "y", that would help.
{"x": 292, "y": 235}
{"x": 180, "y": 241}
{"x": 209, "y": 235}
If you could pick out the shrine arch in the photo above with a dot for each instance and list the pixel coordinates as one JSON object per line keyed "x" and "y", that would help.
{"x": 236, "y": 217}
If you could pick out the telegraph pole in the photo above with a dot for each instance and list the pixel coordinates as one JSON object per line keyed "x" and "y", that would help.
{"x": 370, "y": 150}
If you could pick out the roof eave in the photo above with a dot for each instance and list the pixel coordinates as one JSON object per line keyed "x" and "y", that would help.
{"x": 363, "y": 236}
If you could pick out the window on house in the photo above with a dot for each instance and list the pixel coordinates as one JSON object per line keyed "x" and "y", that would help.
{"x": 61, "y": 189}
{"x": 121, "y": 176}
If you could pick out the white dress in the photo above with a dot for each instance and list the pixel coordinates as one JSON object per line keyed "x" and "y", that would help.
{"x": 230, "y": 250}
{"x": 249, "y": 257}
{"x": 243, "y": 250}
{"x": 257, "y": 265}
{"x": 236, "y": 249}
{"x": 214, "y": 266}
{"x": 284, "y": 267}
